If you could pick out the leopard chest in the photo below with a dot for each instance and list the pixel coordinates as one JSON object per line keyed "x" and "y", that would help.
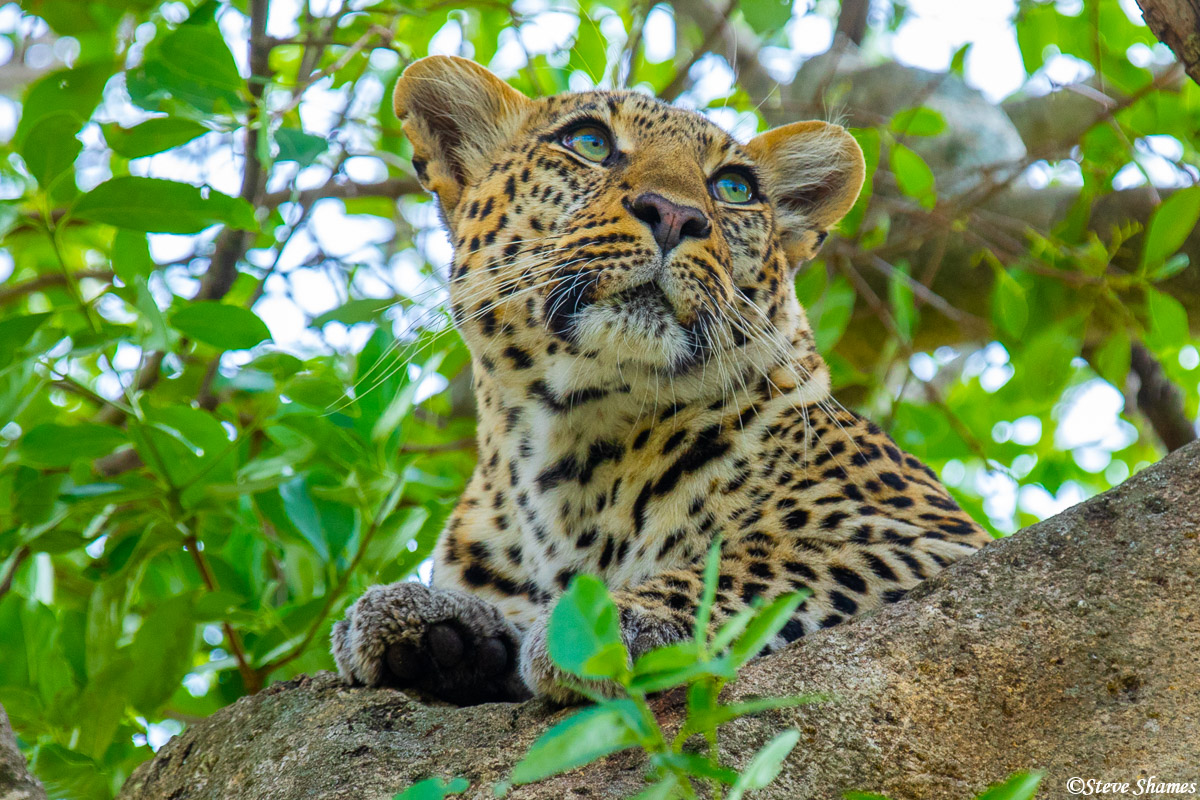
{"x": 624, "y": 505}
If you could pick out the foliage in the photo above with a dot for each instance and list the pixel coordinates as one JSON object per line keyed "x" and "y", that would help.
{"x": 229, "y": 398}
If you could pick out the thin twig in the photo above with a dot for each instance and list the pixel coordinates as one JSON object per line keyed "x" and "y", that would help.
{"x": 250, "y": 678}
{"x": 51, "y": 279}
{"x": 22, "y": 553}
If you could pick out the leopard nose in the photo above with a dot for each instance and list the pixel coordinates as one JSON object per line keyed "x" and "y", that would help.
{"x": 669, "y": 222}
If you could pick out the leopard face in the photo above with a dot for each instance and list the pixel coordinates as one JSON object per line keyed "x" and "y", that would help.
{"x": 607, "y": 238}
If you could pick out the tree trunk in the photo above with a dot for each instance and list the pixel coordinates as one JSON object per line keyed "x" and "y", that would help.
{"x": 15, "y": 781}
{"x": 1073, "y": 647}
{"x": 1176, "y": 23}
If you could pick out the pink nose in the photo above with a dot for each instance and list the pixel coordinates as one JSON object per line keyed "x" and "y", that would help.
{"x": 669, "y": 222}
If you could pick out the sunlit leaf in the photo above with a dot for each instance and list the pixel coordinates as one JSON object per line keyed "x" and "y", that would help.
{"x": 55, "y": 445}
{"x": 434, "y": 789}
{"x": 919, "y": 121}
{"x": 581, "y": 739}
{"x": 221, "y": 325}
{"x": 1170, "y": 226}
{"x": 1019, "y": 786}
{"x": 913, "y": 175}
{"x": 155, "y": 205}
{"x": 765, "y": 765}
{"x": 152, "y": 136}
{"x": 584, "y": 634}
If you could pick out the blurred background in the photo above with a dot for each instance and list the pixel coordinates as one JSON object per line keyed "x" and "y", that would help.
{"x": 229, "y": 395}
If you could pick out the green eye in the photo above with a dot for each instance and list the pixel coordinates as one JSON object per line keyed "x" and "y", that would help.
{"x": 732, "y": 187}
{"x": 590, "y": 142}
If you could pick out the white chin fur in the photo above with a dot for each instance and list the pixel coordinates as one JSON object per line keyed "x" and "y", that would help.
{"x": 647, "y": 335}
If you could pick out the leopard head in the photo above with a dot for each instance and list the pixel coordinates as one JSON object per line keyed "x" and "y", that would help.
{"x": 611, "y": 234}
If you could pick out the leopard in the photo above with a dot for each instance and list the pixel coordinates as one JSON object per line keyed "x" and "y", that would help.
{"x": 647, "y": 384}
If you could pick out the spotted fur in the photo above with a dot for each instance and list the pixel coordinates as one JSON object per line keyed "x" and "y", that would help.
{"x": 636, "y": 402}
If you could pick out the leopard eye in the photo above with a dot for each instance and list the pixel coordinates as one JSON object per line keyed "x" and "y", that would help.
{"x": 589, "y": 141}
{"x": 732, "y": 187}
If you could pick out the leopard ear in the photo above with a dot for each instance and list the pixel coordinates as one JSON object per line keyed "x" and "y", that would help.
{"x": 455, "y": 113}
{"x": 812, "y": 172}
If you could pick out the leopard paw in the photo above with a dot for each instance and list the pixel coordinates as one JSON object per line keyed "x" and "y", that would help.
{"x": 451, "y": 645}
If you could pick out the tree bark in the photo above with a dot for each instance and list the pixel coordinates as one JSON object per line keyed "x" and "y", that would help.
{"x": 15, "y": 781}
{"x": 1176, "y": 23}
{"x": 1072, "y": 647}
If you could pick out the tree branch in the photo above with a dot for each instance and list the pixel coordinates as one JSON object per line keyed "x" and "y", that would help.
{"x": 1176, "y": 23}
{"x": 6, "y": 583}
{"x": 231, "y": 244}
{"x": 390, "y": 187}
{"x": 1026, "y": 655}
{"x": 250, "y": 678}
{"x": 852, "y": 20}
{"x": 1160, "y": 401}
{"x": 48, "y": 280}
{"x": 15, "y": 781}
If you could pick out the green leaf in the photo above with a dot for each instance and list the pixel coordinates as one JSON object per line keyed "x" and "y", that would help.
{"x": 74, "y": 92}
{"x": 714, "y": 717}
{"x": 830, "y": 316}
{"x": 187, "y": 446}
{"x": 433, "y": 789}
{"x": 131, "y": 257}
{"x": 303, "y": 148}
{"x": 712, "y": 574}
{"x": 765, "y": 625}
{"x": 54, "y": 445}
{"x": 903, "y": 302}
{"x": 766, "y": 17}
{"x": 732, "y": 629}
{"x": 720, "y": 668}
{"x": 153, "y": 205}
{"x": 1111, "y": 359}
{"x": 958, "y": 61}
{"x": 1172, "y": 266}
{"x": 1166, "y": 322}
{"x": 668, "y": 657}
{"x": 863, "y": 796}
{"x": 1010, "y": 309}
{"x": 584, "y": 633}
{"x": 913, "y": 175}
{"x": 1170, "y": 226}
{"x": 162, "y": 650}
{"x": 152, "y": 136}
{"x": 661, "y": 790}
{"x": 581, "y": 739}
{"x": 191, "y": 64}
{"x": 1019, "y": 786}
{"x": 51, "y": 148}
{"x": 223, "y": 326}
{"x": 200, "y": 52}
{"x": 302, "y": 512}
{"x": 697, "y": 765}
{"x": 765, "y": 765}
{"x": 16, "y": 332}
{"x": 354, "y": 311}
{"x": 919, "y": 121}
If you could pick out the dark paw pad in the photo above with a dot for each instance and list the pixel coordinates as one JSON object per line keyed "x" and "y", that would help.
{"x": 445, "y": 645}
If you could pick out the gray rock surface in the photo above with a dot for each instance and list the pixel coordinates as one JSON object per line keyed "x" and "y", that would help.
{"x": 1073, "y": 647}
